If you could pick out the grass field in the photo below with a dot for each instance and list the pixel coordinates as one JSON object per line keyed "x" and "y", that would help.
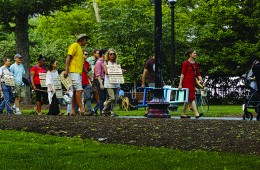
{"x": 214, "y": 111}
{"x": 22, "y": 150}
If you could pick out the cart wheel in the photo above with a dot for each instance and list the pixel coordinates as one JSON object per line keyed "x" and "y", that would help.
{"x": 248, "y": 116}
{"x": 257, "y": 116}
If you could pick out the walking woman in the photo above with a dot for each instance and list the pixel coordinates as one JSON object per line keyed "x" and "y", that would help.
{"x": 190, "y": 71}
{"x": 41, "y": 95}
{"x": 112, "y": 88}
{"x": 51, "y": 75}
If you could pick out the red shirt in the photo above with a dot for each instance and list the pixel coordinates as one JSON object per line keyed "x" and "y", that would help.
{"x": 85, "y": 77}
{"x": 37, "y": 70}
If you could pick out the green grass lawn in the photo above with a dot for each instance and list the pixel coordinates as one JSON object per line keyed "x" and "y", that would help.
{"x": 214, "y": 111}
{"x": 22, "y": 150}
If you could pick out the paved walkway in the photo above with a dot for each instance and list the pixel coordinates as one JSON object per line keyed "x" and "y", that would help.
{"x": 201, "y": 118}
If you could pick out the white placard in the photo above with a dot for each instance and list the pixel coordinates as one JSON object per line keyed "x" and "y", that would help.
{"x": 114, "y": 79}
{"x": 9, "y": 80}
{"x": 59, "y": 94}
{"x": 57, "y": 86}
{"x": 65, "y": 81}
{"x": 43, "y": 83}
{"x": 114, "y": 69}
{"x": 42, "y": 76}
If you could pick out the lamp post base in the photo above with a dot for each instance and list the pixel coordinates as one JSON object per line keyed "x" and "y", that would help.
{"x": 158, "y": 107}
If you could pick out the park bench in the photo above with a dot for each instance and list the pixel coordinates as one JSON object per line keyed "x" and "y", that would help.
{"x": 175, "y": 96}
{"x": 172, "y": 95}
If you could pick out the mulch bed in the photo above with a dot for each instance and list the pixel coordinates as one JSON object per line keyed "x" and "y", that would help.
{"x": 211, "y": 135}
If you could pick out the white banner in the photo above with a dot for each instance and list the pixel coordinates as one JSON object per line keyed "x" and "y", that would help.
{"x": 114, "y": 69}
{"x": 9, "y": 80}
{"x": 59, "y": 94}
{"x": 114, "y": 79}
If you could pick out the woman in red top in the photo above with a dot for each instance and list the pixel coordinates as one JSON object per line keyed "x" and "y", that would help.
{"x": 190, "y": 71}
{"x": 41, "y": 92}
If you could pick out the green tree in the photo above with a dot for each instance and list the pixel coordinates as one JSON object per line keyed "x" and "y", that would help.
{"x": 14, "y": 16}
{"x": 227, "y": 34}
{"x": 52, "y": 34}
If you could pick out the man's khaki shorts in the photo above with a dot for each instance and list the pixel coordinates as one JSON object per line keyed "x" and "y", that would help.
{"x": 19, "y": 91}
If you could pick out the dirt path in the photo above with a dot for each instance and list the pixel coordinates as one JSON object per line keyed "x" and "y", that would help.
{"x": 214, "y": 135}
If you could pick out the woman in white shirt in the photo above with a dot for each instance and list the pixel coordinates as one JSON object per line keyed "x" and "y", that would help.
{"x": 112, "y": 88}
{"x": 51, "y": 75}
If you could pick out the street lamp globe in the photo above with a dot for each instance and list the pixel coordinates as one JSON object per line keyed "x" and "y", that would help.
{"x": 172, "y": 2}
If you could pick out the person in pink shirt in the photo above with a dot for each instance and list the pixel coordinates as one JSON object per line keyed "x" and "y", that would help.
{"x": 99, "y": 75}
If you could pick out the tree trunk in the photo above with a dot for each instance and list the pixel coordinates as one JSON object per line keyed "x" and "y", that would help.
{"x": 96, "y": 9}
{"x": 22, "y": 47}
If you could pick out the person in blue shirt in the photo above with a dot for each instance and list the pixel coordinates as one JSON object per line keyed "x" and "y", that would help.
{"x": 18, "y": 71}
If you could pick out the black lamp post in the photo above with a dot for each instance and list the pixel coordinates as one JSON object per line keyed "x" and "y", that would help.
{"x": 158, "y": 107}
{"x": 171, "y": 4}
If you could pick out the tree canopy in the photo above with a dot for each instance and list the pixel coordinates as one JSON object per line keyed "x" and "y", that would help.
{"x": 224, "y": 32}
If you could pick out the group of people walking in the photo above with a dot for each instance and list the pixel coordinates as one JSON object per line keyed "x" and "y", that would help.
{"x": 88, "y": 75}
{"x": 12, "y": 82}
{"x": 189, "y": 73}
{"x": 91, "y": 76}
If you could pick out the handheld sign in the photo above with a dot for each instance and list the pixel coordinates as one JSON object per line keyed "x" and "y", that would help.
{"x": 59, "y": 94}
{"x": 9, "y": 80}
{"x": 65, "y": 81}
{"x": 115, "y": 74}
{"x": 42, "y": 77}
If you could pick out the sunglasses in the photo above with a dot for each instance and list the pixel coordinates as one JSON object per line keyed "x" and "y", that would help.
{"x": 86, "y": 54}
{"x": 112, "y": 54}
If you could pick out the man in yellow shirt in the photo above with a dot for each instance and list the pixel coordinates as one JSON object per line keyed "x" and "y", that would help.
{"x": 74, "y": 69}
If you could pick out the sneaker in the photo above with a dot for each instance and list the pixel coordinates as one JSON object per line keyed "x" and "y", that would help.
{"x": 39, "y": 113}
{"x": 17, "y": 113}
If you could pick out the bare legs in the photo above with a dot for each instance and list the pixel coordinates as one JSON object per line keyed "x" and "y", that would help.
{"x": 194, "y": 107}
{"x": 76, "y": 99}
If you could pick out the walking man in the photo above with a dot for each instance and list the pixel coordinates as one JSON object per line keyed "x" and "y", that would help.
{"x": 92, "y": 61}
{"x": 99, "y": 76}
{"x": 74, "y": 69}
{"x": 18, "y": 71}
{"x": 4, "y": 88}
{"x": 149, "y": 70}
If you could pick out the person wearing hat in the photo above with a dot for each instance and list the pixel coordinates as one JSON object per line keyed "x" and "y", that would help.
{"x": 18, "y": 72}
{"x": 41, "y": 92}
{"x": 74, "y": 69}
